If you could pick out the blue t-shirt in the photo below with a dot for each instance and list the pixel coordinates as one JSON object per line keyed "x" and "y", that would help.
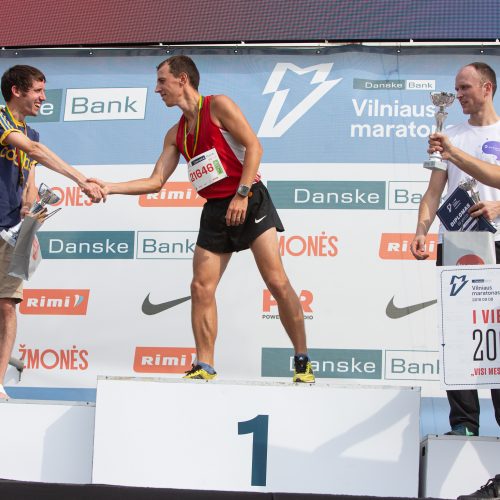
{"x": 12, "y": 179}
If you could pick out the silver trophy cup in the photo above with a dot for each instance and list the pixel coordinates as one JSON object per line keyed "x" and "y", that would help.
{"x": 47, "y": 197}
{"x": 469, "y": 184}
{"x": 441, "y": 100}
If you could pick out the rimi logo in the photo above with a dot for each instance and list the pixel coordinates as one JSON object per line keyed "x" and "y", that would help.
{"x": 163, "y": 359}
{"x": 59, "y": 301}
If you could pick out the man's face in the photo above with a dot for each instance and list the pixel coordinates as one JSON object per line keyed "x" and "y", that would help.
{"x": 29, "y": 102}
{"x": 168, "y": 86}
{"x": 471, "y": 93}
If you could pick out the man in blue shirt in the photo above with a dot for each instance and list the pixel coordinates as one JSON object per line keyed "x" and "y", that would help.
{"x": 23, "y": 88}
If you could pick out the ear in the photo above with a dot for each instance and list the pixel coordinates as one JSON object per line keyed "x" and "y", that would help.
{"x": 184, "y": 79}
{"x": 488, "y": 87}
{"x": 16, "y": 91}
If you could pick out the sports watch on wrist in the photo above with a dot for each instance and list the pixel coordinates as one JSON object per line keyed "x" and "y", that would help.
{"x": 243, "y": 190}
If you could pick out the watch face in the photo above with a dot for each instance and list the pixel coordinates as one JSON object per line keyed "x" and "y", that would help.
{"x": 243, "y": 190}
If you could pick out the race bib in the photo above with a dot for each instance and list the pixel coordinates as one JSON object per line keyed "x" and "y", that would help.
{"x": 205, "y": 169}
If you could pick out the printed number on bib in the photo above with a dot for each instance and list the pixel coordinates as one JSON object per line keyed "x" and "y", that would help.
{"x": 205, "y": 169}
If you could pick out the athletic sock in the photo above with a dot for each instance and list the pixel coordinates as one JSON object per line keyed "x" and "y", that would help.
{"x": 206, "y": 367}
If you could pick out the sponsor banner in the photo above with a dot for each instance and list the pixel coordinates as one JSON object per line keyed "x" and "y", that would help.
{"x": 105, "y": 104}
{"x": 469, "y": 326}
{"x": 54, "y": 302}
{"x": 405, "y": 195}
{"x": 164, "y": 359}
{"x": 332, "y": 107}
{"x": 411, "y": 365}
{"x": 87, "y": 244}
{"x": 166, "y": 244}
{"x": 74, "y": 358}
{"x": 396, "y": 246}
{"x": 353, "y": 195}
{"x": 361, "y": 84}
{"x": 71, "y": 196}
{"x": 173, "y": 194}
{"x": 326, "y": 363}
{"x": 320, "y": 245}
{"x": 270, "y": 306}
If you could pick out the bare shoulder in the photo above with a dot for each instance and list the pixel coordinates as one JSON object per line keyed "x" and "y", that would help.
{"x": 225, "y": 112}
{"x": 171, "y": 135}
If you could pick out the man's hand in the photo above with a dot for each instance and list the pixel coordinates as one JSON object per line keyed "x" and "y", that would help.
{"x": 418, "y": 249}
{"x": 95, "y": 190}
{"x": 441, "y": 144}
{"x": 488, "y": 209}
{"x": 237, "y": 211}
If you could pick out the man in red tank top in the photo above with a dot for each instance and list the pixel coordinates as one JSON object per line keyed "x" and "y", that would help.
{"x": 223, "y": 155}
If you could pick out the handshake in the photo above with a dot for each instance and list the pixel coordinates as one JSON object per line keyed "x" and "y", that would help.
{"x": 95, "y": 189}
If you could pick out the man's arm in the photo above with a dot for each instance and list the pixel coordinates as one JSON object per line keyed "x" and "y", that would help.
{"x": 427, "y": 212}
{"x": 484, "y": 172}
{"x": 226, "y": 114}
{"x": 42, "y": 154}
{"x": 29, "y": 193}
{"x": 164, "y": 167}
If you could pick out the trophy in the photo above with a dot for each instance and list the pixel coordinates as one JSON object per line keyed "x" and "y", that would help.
{"x": 47, "y": 197}
{"x": 469, "y": 184}
{"x": 442, "y": 100}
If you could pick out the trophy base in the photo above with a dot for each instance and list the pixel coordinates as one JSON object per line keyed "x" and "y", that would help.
{"x": 435, "y": 164}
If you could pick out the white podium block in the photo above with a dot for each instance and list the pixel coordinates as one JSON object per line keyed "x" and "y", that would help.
{"x": 46, "y": 441}
{"x": 457, "y": 465}
{"x": 257, "y": 436}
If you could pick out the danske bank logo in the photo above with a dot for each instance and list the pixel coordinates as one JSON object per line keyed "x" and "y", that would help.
{"x": 87, "y": 244}
{"x": 360, "y": 195}
{"x": 326, "y": 363}
{"x": 105, "y": 104}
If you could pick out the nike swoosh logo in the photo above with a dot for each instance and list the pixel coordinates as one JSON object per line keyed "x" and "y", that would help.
{"x": 260, "y": 220}
{"x": 150, "y": 309}
{"x": 395, "y": 312}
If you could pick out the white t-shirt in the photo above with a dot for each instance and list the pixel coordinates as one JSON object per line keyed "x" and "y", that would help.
{"x": 483, "y": 143}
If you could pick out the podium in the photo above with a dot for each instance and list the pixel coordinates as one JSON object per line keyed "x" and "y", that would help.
{"x": 257, "y": 436}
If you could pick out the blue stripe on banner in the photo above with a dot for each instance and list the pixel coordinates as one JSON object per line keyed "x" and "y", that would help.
{"x": 53, "y": 393}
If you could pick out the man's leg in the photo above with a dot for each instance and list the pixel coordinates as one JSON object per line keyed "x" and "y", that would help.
{"x": 208, "y": 268}
{"x": 8, "y": 325}
{"x": 464, "y": 411}
{"x": 266, "y": 252}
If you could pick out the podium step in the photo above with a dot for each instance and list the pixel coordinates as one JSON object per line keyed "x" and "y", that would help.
{"x": 46, "y": 441}
{"x": 257, "y": 436}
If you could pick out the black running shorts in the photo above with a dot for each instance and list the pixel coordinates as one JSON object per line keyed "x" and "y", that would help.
{"x": 217, "y": 237}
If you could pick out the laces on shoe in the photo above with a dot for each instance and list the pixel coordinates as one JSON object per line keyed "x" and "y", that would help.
{"x": 300, "y": 364}
{"x": 194, "y": 368}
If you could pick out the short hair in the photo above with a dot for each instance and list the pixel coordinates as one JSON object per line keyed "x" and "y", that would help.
{"x": 21, "y": 76}
{"x": 183, "y": 64}
{"x": 486, "y": 73}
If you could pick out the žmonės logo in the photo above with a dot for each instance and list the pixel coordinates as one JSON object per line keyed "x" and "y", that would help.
{"x": 163, "y": 359}
{"x": 55, "y": 301}
{"x": 396, "y": 246}
{"x": 318, "y": 86}
{"x": 71, "y": 196}
{"x": 173, "y": 194}
{"x": 318, "y": 245}
{"x": 270, "y": 306}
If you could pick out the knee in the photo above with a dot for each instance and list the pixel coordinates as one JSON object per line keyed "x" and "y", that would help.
{"x": 280, "y": 288}
{"x": 7, "y": 307}
{"x": 201, "y": 292}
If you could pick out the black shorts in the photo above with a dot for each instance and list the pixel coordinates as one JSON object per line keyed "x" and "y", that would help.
{"x": 217, "y": 237}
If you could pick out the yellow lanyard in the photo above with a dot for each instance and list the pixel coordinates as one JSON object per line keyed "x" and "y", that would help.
{"x": 200, "y": 104}
{"x": 20, "y": 155}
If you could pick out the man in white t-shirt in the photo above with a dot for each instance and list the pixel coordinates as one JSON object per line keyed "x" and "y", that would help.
{"x": 475, "y": 85}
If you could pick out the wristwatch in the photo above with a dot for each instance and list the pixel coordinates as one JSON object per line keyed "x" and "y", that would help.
{"x": 243, "y": 190}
